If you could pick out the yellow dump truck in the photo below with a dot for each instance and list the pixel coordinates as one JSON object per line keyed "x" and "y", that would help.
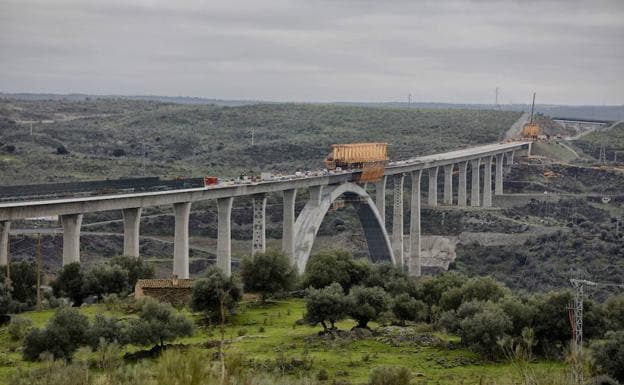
{"x": 370, "y": 158}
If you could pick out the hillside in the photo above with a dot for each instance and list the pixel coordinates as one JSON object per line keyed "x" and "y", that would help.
{"x": 206, "y": 140}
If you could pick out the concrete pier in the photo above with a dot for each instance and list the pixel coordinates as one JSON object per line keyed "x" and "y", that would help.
{"x": 462, "y": 195}
{"x": 476, "y": 180}
{"x": 258, "y": 244}
{"x": 288, "y": 224}
{"x": 448, "y": 184}
{"x": 509, "y": 158}
{"x": 4, "y": 242}
{"x": 432, "y": 198}
{"x": 380, "y": 197}
{"x": 487, "y": 182}
{"x": 397, "y": 219}
{"x": 498, "y": 186}
{"x": 71, "y": 237}
{"x": 413, "y": 265}
{"x": 131, "y": 221}
{"x": 316, "y": 193}
{"x": 182, "y": 212}
{"x": 224, "y": 239}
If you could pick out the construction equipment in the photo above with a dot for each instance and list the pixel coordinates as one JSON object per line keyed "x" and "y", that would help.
{"x": 531, "y": 130}
{"x": 370, "y": 158}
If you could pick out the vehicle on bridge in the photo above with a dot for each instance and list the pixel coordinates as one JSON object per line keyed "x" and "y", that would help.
{"x": 370, "y": 158}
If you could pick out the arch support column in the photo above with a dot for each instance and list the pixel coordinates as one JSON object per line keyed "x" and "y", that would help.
{"x": 498, "y": 189}
{"x": 397, "y": 219}
{"x": 182, "y": 213}
{"x": 131, "y": 221}
{"x": 413, "y": 266}
{"x": 259, "y": 224}
{"x": 288, "y": 224}
{"x": 5, "y": 227}
{"x": 71, "y": 237}
{"x": 462, "y": 196}
{"x": 224, "y": 235}
{"x": 380, "y": 197}
{"x": 487, "y": 182}
{"x": 448, "y": 184}
{"x": 432, "y": 199}
{"x": 476, "y": 180}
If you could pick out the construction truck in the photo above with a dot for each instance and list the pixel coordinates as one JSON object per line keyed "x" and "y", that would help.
{"x": 370, "y": 158}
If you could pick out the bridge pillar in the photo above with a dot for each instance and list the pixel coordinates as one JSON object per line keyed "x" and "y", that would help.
{"x": 432, "y": 199}
{"x": 288, "y": 224}
{"x": 380, "y": 197}
{"x": 132, "y": 221}
{"x": 462, "y": 196}
{"x": 258, "y": 244}
{"x": 509, "y": 158}
{"x": 448, "y": 184}
{"x": 413, "y": 266}
{"x": 71, "y": 237}
{"x": 487, "y": 182}
{"x": 5, "y": 226}
{"x": 397, "y": 219}
{"x": 316, "y": 193}
{"x": 498, "y": 189}
{"x": 475, "y": 192}
{"x": 182, "y": 212}
{"x": 224, "y": 239}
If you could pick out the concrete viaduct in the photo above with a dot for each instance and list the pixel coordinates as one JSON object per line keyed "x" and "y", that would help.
{"x": 299, "y": 232}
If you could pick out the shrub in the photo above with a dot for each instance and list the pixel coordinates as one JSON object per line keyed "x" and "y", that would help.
{"x": 69, "y": 283}
{"x": 268, "y": 273}
{"x": 614, "y": 312}
{"x": 119, "y": 152}
{"x": 9, "y": 148}
{"x": 390, "y": 375}
{"x": 5, "y": 299}
{"x": 482, "y": 330}
{"x": 19, "y": 327}
{"x": 212, "y": 290}
{"x": 105, "y": 279}
{"x": 367, "y": 304}
{"x": 388, "y": 276}
{"x": 24, "y": 282}
{"x": 406, "y": 308}
{"x": 61, "y": 150}
{"x": 137, "y": 269}
{"x": 104, "y": 330}
{"x": 609, "y": 354}
{"x": 326, "y": 304}
{"x": 328, "y": 267}
{"x": 157, "y": 323}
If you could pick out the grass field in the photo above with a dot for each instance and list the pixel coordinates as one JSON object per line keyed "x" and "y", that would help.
{"x": 265, "y": 336}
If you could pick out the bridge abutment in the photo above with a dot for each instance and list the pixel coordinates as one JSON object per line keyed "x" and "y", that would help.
{"x": 397, "y": 219}
{"x": 476, "y": 180}
{"x": 181, "y": 239}
{"x": 448, "y": 184}
{"x": 224, "y": 232}
{"x": 413, "y": 265}
{"x": 487, "y": 182}
{"x": 288, "y": 224}
{"x": 5, "y": 227}
{"x": 131, "y": 221}
{"x": 259, "y": 224}
{"x": 432, "y": 198}
{"x": 71, "y": 237}
{"x": 462, "y": 196}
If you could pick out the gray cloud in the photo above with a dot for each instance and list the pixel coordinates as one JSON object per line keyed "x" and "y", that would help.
{"x": 568, "y": 51}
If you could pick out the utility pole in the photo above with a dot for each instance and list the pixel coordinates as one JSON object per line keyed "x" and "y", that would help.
{"x": 532, "y": 108}
{"x": 253, "y": 134}
{"x": 38, "y": 271}
{"x": 576, "y": 318}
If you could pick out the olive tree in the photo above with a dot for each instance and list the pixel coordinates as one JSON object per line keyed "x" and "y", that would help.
{"x": 214, "y": 291}
{"x": 158, "y": 323}
{"x": 268, "y": 273}
{"x": 367, "y": 304}
{"x": 327, "y": 304}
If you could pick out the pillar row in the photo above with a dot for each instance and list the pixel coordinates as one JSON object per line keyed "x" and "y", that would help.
{"x": 462, "y": 195}
{"x": 71, "y": 237}
{"x": 5, "y": 227}
{"x": 224, "y": 235}
{"x": 498, "y": 189}
{"x": 487, "y": 182}
{"x": 475, "y": 191}
{"x": 413, "y": 266}
{"x": 288, "y": 224}
{"x": 131, "y": 221}
{"x": 448, "y": 184}
{"x": 259, "y": 222}
{"x": 397, "y": 219}
{"x": 182, "y": 212}
{"x": 432, "y": 198}
{"x": 380, "y": 198}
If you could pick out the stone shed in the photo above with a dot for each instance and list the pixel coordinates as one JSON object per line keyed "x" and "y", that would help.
{"x": 172, "y": 290}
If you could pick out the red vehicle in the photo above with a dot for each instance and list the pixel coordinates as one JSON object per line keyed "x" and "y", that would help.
{"x": 210, "y": 181}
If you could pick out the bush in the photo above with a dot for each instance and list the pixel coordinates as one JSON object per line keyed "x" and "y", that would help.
{"x": 406, "y": 308}
{"x": 104, "y": 329}
{"x": 24, "y": 282}
{"x": 390, "y": 375}
{"x": 268, "y": 273}
{"x": 328, "y": 267}
{"x": 388, "y": 276}
{"x": 119, "y": 152}
{"x": 210, "y": 291}
{"x": 157, "y": 323}
{"x": 5, "y": 299}
{"x": 69, "y": 283}
{"x": 61, "y": 150}
{"x": 609, "y": 354}
{"x": 367, "y": 304}
{"x": 19, "y": 327}
{"x": 105, "y": 279}
{"x": 137, "y": 269}
{"x": 482, "y": 330}
{"x": 614, "y": 312}
{"x": 326, "y": 304}
{"x": 64, "y": 333}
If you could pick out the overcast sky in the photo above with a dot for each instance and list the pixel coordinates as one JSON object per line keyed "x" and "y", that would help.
{"x": 568, "y": 51}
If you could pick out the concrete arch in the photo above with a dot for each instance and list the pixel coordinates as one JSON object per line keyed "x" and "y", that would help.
{"x": 309, "y": 221}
